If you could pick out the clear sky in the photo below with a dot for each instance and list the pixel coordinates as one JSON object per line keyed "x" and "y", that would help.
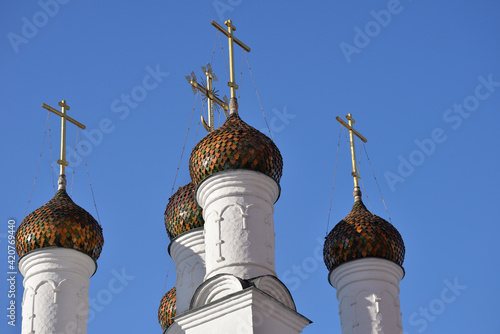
{"x": 421, "y": 77}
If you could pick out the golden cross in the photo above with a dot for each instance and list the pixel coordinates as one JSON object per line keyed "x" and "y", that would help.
{"x": 353, "y": 132}
{"x": 210, "y": 94}
{"x": 229, "y": 34}
{"x": 64, "y": 118}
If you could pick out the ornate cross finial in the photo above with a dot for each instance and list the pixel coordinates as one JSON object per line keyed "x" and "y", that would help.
{"x": 210, "y": 95}
{"x": 210, "y": 77}
{"x": 64, "y": 117}
{"x": 229, "y": 34}
{"x": 352, "y": 132}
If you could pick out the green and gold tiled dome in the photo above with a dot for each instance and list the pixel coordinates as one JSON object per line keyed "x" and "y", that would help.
{"x": 235, "y": 145}
{"x": 182, "y": 213}
{"x": 360, "y": 235}
{"x": 168, "y": 306}
{"x": 60, "y": 223}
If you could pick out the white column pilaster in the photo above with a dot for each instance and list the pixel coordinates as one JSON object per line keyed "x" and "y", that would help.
{"x": 238, "y": 207}
{"x": 188, "y": 252}
{"x": 56, "y": 290}
{"x": 368, "y": 295}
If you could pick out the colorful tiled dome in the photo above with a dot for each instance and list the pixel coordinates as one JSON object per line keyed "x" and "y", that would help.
{"x": 182, "y": 213}
{"x": 60, "y": 223}
{"x": 235, "y": 145}
{"x": 360, "y": 235}
{"x": 168, "y": 306}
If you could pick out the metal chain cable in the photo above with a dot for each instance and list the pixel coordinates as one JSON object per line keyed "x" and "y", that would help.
{"x": 88, "y": 175}
{"x": 38, "y": 165}
{"x": 258, "y": 98}
{"x": 333, "y": 183}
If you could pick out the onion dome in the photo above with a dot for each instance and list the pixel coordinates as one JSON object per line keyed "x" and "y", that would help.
{"x": 167, "y": 310}
{"x": 360, "y": 235}
{"x": 60, "y": 223}
{"x": 182, "y": 213}
{"x": 235, "y": 145}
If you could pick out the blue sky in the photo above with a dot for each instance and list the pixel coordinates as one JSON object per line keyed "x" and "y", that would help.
{"x": 422, "y": 79}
